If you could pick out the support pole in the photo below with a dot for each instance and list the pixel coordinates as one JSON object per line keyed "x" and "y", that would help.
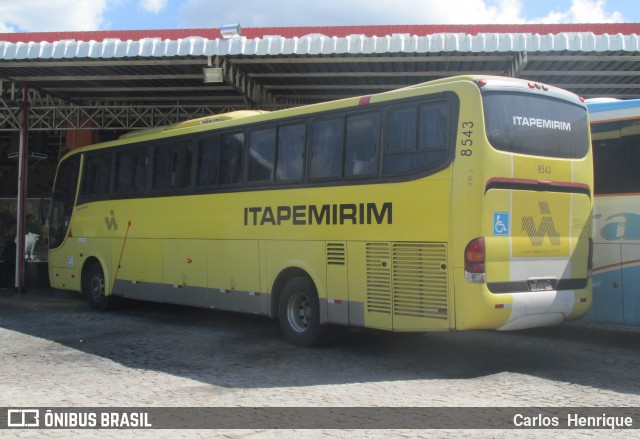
{"x": 22, "y": 190}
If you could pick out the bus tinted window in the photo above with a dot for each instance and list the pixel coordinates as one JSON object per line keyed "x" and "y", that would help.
{"x": 402, "y": 129}
{"x": 525, "y": 123}
{"x": 327, "y": 141}
{"x": 172, "y": 165}
{"x": 417, "y": 138}
{"x": 615, "y": 158}
{"x": 97, "y": 175}
{"x": 231, "y": 159}
{"x": 432, "y": 129}
{"x": 362, "y": 145}
{"x": 208, "y": 161}
{"x": 131, "y": 171}
{"x": 291, "y": 141}
{"x": 62, "y": 202}
{"x": 262, "y": 154}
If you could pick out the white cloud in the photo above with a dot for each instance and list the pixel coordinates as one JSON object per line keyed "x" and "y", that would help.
{"x": 4, "y": 28}
{"x": 153, "y": 6}
{"x": 583, "y": 11}
{"x": 260, "y": 13}
{"x": 52, "y": 15}
{"x": 78, "y": 15}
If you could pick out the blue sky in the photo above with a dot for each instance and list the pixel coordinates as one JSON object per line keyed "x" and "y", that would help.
{"x": 77, "y": 15}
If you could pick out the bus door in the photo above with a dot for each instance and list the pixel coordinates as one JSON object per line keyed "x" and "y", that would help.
{"x": 62, "y": 273}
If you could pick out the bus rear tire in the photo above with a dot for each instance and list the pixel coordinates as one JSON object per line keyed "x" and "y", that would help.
{"x": 93, "y": 286}
{"x": 299, "y": 312}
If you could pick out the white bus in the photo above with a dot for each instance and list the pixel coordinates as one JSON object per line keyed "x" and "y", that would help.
{"x": 615, "y": 128}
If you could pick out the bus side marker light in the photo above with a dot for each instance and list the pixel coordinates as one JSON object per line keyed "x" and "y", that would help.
{"x": 189, "y": 260}
{"x": 503, "y": 306}
{"x": 334, "y": 301}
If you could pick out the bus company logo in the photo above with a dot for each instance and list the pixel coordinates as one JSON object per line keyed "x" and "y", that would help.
{"x": 523, "y": 121}
{"x": 546, "y": 228}
{"x": 23, "y": 418}
{"x": 623, "y": 226}
{"x": 111, "y": 222}
{"x": 325, "y": 214}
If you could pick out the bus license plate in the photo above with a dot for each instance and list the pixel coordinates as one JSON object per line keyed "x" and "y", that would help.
{"x": 540, "y": 285}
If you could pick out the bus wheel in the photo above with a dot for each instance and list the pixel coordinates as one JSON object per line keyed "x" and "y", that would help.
{"x": 299, "y": 312}
{"x": 93, "y": 286}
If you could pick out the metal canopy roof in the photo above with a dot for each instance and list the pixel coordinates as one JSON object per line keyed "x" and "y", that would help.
{"x": 138, "y": 79}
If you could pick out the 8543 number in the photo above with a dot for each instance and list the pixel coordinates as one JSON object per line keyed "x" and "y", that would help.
{"x": 466, "y": 141}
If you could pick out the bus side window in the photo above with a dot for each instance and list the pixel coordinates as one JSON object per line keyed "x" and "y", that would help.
{"x": 232, "y": 158}
{"x": 291, "y": 142}
{"x": 172, "y": 165}
{"x": 262, "y": 155}
{"x": 131, "y": 171}
{"x": 416, "y": 138}
{"x": 432, "y": 127}
{"x": 208, "y": 161}
{"x": 327, "y": 139}
{"x": 96, "y": 176}
{"x": 615, "y": 165}
{"x": 361, "y": 145}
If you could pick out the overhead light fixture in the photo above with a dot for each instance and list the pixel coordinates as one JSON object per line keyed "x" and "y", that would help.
{"x": 230, "y": 31}
{"x": 212, "y": 74}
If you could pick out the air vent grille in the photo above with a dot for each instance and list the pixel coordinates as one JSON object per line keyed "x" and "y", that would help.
{"x": 336, "y": 253}
{"x": 407, "y": 279}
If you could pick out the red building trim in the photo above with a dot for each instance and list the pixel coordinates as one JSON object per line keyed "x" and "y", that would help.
{"x": 331, "y": 31}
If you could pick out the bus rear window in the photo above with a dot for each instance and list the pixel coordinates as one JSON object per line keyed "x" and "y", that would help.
{"x": 524, "y": 123}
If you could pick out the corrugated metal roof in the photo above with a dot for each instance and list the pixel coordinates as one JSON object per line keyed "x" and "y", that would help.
{"x": 160, "y": 71}
{"x": 317, "y": 43}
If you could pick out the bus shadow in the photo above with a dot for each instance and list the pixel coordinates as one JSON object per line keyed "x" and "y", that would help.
{"x": 237, "y": 350}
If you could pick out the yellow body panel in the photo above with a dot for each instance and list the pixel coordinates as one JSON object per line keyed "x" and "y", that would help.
{"x": 388, "y": 255}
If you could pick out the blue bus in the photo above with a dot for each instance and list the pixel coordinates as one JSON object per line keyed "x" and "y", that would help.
{"x": 615, "y": 129}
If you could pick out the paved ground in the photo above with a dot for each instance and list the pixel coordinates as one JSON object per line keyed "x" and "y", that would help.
{"x": 55, "y": 351}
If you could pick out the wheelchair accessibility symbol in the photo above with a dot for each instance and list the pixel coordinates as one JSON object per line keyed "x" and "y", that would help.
{"x": 501, "y": 223}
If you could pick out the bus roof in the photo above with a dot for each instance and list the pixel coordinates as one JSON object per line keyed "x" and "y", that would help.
{"x": 214, "y": 118}
{"x": 609, "y": 110}
{"x": 233, "y": 116}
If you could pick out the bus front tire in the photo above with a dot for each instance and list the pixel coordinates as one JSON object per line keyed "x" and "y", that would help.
{"x": 93, "y": 286}
{"x": 299, "y": 312}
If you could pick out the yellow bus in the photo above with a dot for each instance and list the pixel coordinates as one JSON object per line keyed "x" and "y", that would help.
{"x": 462, "y": 203}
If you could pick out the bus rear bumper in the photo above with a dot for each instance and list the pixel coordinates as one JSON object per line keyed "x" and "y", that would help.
{"x": 542, "y": 308}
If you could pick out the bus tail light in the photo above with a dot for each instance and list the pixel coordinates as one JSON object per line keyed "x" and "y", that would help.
{"x": 474, "y": 261}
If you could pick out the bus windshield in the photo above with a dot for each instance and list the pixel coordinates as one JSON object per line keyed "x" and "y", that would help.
{"x": 528, "y": 124}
